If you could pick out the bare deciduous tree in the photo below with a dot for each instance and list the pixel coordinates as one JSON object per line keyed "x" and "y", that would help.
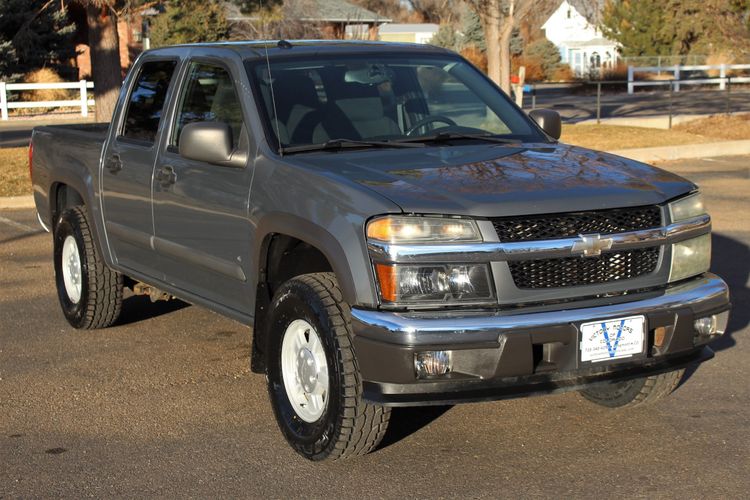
{"x": 499, "y": 17}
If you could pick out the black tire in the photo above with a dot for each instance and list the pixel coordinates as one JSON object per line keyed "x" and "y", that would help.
{"x": 100, "y": 299}
{"x": 636, "y": 392}
{"x": 348, "y": 426}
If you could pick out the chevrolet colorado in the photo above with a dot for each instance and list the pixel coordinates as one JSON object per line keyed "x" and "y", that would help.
{"x": 396, "y": 231}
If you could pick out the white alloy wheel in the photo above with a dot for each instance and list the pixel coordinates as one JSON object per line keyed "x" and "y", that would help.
{"x": 71, "y": 269}
{"x": 305, "y": 370}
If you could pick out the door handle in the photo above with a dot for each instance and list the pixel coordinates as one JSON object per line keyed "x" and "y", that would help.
{"x": 114, "y": 164}
{"x": 166, "y": 176}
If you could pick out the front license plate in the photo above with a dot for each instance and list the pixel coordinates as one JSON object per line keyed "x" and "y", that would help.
{"x": 612, "y": 339}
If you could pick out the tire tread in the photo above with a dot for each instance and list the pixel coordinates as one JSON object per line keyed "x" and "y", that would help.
{"x": 364, "y": 424}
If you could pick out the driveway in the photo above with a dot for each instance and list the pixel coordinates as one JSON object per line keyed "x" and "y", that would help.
{"x": 164, "y": 404}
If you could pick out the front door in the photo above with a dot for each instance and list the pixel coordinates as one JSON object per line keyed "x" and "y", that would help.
{"x": 202, "y": 232}
{"x": 128, "y": 166}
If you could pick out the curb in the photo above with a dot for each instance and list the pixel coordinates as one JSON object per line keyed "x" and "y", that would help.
{"x": 686, "y": 151}
{"x": 16, "y": 202}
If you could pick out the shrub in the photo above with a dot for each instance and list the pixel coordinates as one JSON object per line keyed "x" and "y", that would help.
{"x": 476, "y": 56}
{"x": 562, "y": 73}
{"x": 546, "y": 54}
{"x": 534, "y": 70}
{"x": 44, "y": 75}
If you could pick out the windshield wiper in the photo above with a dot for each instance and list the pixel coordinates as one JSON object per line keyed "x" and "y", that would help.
{"x": 335, "y": 144}
{"x": 448, "y": 136}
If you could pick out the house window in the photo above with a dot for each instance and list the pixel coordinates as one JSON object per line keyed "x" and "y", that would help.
{"x": 596, "y": 60}
{"x": 569, "y": 14}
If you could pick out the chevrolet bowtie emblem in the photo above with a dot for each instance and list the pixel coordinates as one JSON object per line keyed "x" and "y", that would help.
{"x": 591, "y": 245}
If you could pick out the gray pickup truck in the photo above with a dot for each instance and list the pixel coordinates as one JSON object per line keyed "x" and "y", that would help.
{"x": 394, "y": 228}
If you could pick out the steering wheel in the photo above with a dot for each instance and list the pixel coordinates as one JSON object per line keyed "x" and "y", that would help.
{"x": 428, "y": 120}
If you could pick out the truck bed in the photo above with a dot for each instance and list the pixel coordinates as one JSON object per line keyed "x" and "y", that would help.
{"x": 72, "y": 151}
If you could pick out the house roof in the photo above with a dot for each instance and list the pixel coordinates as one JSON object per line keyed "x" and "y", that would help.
{"x": 590, "y": 9}
{"x": 595, "y": 42}
{"x": 410, "y": 28}
{"x": 339, "y": 11}
{"x": 328, "y": 11}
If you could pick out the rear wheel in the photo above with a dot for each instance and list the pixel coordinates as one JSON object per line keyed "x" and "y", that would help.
{"x": 90, "y": 293}
{"x": 313, "y": 380}
{"x": 634, "y": 392}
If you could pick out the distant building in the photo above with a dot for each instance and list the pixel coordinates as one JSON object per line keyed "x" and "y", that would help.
{"x": 336, "y": 18}
{"x": 575, "y": 33}
{"x": 410, "y": 33}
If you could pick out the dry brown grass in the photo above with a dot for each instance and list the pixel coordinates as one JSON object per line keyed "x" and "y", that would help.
{"x": 612, "y": 137}
{"x": 14, "y": 172}
{"x": 723, "y": 127}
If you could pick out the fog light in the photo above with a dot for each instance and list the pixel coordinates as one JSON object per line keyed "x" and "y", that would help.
{"x": 716, "y": 324}
{"x": 430, "y": 364}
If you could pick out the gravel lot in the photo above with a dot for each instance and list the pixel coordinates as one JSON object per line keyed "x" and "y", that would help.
{"x": 164, "y": 404}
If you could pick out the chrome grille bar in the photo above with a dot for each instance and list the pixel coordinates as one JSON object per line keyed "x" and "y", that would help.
{"x": 527, "y": 250}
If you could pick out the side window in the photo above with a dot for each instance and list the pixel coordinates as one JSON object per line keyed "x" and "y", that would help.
{"x": 209, "y": 96}
{"x": 146, "y": 101}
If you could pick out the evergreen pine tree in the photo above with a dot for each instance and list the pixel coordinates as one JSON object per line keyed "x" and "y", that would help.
{"x": 33, "y": 34}
{"x": 189, "y": 21}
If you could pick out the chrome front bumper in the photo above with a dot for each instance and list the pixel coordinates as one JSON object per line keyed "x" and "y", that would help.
{"x": 506, "y": 346}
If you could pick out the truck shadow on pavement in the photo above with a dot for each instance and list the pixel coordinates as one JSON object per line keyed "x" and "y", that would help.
{"x": 140, "y": 308}
{"x": 406, "y": 421}
{"x": 731, "y": 261}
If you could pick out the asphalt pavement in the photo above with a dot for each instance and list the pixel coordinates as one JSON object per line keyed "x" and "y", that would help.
{"x": 164, "y": 404}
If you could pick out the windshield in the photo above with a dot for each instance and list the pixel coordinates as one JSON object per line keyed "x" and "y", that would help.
{"x": 387, "y": 98}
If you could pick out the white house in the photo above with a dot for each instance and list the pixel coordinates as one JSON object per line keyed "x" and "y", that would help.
{"x": 578, "y": 38}
{"x": 411, "y": 33}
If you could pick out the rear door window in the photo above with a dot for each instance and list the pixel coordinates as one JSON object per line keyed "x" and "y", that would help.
{"x": 146, "y": 101}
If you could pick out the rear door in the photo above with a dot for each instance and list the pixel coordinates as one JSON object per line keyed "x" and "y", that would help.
{"x": 202, "y": 231}
{"x": 128, "y": 165}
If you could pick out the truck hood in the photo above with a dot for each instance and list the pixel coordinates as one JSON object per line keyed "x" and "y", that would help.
{"x": 496, "y": 180}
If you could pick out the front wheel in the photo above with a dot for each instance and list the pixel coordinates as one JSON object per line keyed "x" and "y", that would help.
{"x": 313, "y": 380}
{"x": 634, "y": 392}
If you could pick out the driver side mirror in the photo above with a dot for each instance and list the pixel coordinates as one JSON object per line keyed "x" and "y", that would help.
{"x": 548, "y": 120}
{"x": 210, "y": 142}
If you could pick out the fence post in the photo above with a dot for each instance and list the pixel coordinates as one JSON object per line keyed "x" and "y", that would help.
{"x": 3, "y": 101}
{"x": 598, "y": 102}
{"x": 722, "y": 75}
{"x": 671, "y": 95}
{"x": 729, "y": 96}
{"x": 84, "y": 99}
{"x": 533, "y": 97}
{"x": 630, "y": 79}
{"x": 677, "y": 82}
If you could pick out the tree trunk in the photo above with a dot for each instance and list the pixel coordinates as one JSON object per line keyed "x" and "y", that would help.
{"x": 490, "y": 18}
{"x": 104, "y": 45}
{"x": 506, "y": 31}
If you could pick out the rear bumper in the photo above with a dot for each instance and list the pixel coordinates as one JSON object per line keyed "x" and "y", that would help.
{"x": 499, "y": 355}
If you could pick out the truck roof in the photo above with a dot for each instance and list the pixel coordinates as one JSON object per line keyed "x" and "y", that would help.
{"x": 258, "y": 48}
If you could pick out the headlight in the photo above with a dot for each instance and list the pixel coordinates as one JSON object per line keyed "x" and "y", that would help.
{"x": 690, "y": 257}
{"x": 434, "y": 283}
{"x": 399, "y": 229}
{"x": 687, "y": 208}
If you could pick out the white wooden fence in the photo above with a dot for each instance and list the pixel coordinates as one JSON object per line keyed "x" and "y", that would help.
{"x": 83, "y": 101}
{"x": 678, "y": 70}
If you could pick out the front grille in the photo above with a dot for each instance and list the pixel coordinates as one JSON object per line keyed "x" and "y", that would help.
{"x": 577, "y": 271}
{"x": 569, "y": 225}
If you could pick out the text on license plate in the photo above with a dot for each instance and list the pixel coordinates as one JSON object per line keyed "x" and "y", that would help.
{"x": 612, "y": 339}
